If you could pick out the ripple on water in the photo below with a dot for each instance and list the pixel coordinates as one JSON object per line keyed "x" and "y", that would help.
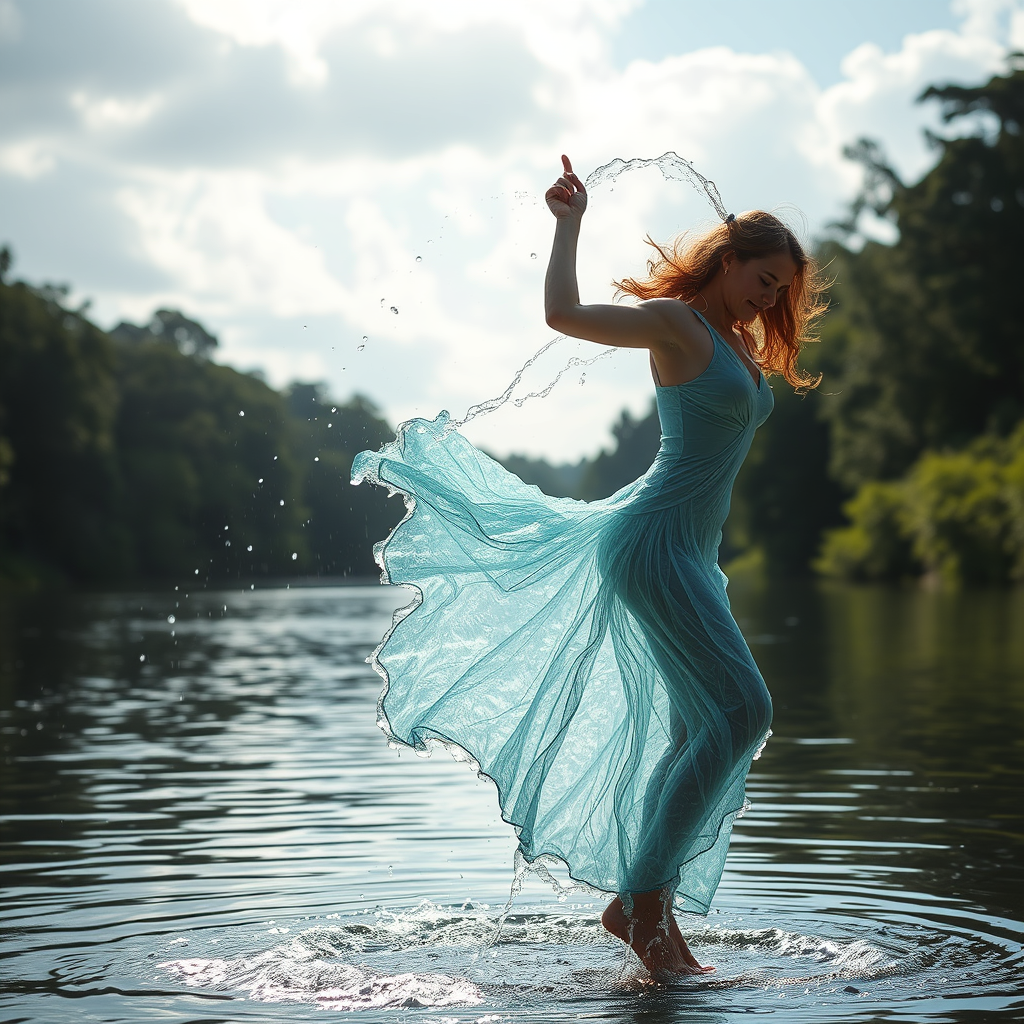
{"x": 434, "y": 956}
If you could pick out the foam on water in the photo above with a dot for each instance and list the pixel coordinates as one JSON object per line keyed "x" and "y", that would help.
{"x": 433, "y": 956}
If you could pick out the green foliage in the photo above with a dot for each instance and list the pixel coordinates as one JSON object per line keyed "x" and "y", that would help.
{"x": 636, "y": 444}
{"x": 169, "y": 327}
{"x": 344, "y": 521}
{"x": 784, "y": 497}
{"x": 957, "y": 517}
{"x": 58, "y": 407}
{"x": 131, "y": 456}
{"x": 561, "y": 481}
{"x": 922, "y": 347}
{"x": 207, "y": 468}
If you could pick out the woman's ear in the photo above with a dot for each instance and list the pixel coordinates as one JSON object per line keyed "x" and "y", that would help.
{"x": 727, "y": 261}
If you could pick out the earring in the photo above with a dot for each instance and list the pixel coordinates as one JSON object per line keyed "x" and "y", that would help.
{"x": 705, "y": 309}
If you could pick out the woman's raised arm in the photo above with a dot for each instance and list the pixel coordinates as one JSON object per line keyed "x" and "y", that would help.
{"x": 651, "y": 324}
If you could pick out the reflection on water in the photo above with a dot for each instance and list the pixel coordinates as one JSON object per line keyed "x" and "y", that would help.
{"x": 201, "y": 821}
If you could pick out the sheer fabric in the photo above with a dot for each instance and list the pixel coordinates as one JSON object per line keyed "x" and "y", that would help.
{"x": 584, "y": 653}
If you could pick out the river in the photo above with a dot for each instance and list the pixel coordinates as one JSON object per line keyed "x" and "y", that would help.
{"x": 201, "y": 822}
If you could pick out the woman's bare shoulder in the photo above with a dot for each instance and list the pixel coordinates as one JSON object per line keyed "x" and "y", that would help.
{"x": 685, "y": 327}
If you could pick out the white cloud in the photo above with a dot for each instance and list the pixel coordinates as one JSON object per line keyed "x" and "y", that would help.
{"x": 212, "y": 234}
{"x": 28, "y": 160}
{"x": 272, "y": 201}
{"x": 113, "y": 111}
{"x": 10, "y": 22}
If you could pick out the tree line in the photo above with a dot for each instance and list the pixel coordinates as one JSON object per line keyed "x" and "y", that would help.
{"x": 131, "y": 455}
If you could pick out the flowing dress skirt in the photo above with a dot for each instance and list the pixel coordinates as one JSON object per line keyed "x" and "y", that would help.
{"x": 582, "y": 653}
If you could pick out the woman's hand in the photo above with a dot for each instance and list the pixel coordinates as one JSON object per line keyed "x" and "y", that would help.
{"x": 567, "y": 197}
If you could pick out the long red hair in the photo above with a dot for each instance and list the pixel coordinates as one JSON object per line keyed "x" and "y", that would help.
{"x": 682, "y": 269}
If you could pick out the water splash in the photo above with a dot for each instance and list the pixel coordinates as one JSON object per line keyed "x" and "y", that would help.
{"x": 673, "y": 167}
{"x": 492, "y": 404}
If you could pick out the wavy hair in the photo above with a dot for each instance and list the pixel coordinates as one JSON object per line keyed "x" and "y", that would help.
{"x": 681, "y": 270}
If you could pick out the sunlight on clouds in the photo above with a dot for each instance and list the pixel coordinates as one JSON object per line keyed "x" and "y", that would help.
{"x": 757, "y": 123}
{"x": 26, "y": 159}
{"x": 877, "y": 98}
{"x": 312, "y": 149}
{"x": 113, "y": 112}
{"x": 556, "y": 33}
{"x": 10, "y": 22}
{"x": 213, "y": 235}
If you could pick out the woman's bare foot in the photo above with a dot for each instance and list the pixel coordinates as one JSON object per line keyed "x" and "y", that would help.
{"x": 651, "y": 931}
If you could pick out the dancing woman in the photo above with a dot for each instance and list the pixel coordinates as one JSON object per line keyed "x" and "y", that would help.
{"x": 584, "y": 653}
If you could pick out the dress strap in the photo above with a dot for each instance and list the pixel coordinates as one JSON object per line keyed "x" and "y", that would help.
{"x": 714, "y": 333}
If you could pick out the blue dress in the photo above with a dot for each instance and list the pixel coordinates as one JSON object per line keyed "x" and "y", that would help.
{"x": 584, "y": 653}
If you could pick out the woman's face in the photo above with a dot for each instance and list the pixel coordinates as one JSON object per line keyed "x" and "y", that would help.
{"x": 748, "y": 287}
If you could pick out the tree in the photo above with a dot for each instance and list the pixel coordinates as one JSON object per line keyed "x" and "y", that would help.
{"x": 344, "y": 521}
{"x": 923, "y": 346}
{"x": 955, "y": 517}
{"x": 636, "y": 444}
{"x": 58, "y": 406}
{"x": 211, "y": 480}
{"x": 169, "y": 327}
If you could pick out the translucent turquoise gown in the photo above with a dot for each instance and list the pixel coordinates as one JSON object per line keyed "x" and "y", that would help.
{"x": 584, "y": 653}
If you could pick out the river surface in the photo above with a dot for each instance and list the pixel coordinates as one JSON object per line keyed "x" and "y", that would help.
{"x": 201, "y": 822}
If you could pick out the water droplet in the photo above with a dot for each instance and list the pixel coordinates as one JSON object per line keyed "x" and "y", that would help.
{"x": 171, "y": 619}
{"x": 304, "y": 327}
{"x": 260, "y": 480}
{"x": 281, "y": 502}
{"x": 419, "y": 259}
{"x": 275, "y": 458}
{"x": 241, "y": 412}
{"x": 382, "y": 301}
{"x": 225, "y": 607}
{"x": 329, "y": 425}
{"x": 252, "y": 586}
{"x": 334, "y": 408}
{"x": 227, "y": 543}
{"x": 249, "y": 548}
{"x": 394, "y": 309}
{"x": 583, "y": 379}
{"x": 359, "y": 348}
{"x": 533, "y": 255}
{"x": 295, "y": 555}
{"x": 197, "y": 572}
{"x": 142, "y": 657}
{"x": 225, "y": 527}
{"x": 316, "y": 458}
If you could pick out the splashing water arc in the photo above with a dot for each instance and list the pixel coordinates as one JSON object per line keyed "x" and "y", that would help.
{"x": 673, "y": 167}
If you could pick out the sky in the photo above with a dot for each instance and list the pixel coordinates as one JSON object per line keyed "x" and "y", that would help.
{"x": 351, "y": 191}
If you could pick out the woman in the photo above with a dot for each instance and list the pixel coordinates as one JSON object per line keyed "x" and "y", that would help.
{"x": 584, "y": 653}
